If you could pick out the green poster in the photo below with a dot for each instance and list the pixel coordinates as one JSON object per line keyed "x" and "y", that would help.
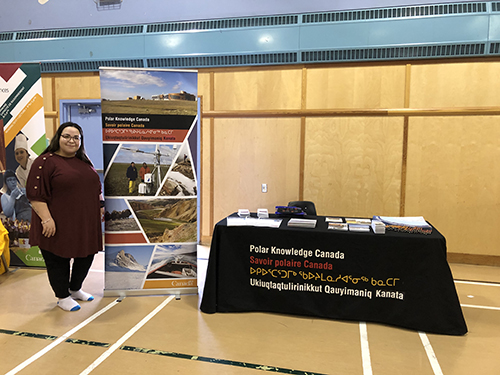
{"x": 29, "y": 256}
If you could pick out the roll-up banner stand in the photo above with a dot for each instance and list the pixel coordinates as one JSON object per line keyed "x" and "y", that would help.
{"x": 22, "y": 140}
{"x": 150, "y": 137}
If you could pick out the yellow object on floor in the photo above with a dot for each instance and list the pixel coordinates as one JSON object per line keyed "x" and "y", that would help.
{"x": 4, "y": 249}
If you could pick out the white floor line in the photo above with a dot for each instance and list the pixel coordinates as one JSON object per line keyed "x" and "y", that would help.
{"x": 481, "y": 307}
{"x": 430, "y": 354}
{"x": 365, "y": 349}
{"x": 476, "y": 283}
{"x": 61, "y": 339}
{"x": 125, "y": 337}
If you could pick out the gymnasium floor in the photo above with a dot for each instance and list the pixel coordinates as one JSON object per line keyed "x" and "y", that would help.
{"x": 162, "y": 335}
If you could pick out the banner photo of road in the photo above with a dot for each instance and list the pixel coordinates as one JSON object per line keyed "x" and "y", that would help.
{"x": 150, "y": 129}
{"x": 21, "y": 141}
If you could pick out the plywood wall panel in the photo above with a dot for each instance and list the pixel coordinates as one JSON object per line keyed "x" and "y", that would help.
{"x": 48, "y": 94}
{"x": 204, "y": 89}
{"x": 353, "y": 165}
{"x": 78, "y": 86}
{"x": 249, "y": 152}
{"x": 49, "y": 105}
{"x": 259, "y": 89}
{"x": 454, "y": 181}
{"x": 466, "y": 84}
{"x": 356, "y": 87}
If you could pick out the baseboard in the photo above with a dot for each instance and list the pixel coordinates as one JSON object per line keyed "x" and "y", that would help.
{"x": 206, "y": 240}
{"x": 477, "y": 259}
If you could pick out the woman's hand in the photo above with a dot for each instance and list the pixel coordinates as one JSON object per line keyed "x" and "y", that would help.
{"x": 48, "y": 227}
{"x": 43, "y": 212}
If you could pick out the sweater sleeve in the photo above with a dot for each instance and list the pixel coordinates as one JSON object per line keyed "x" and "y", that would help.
{"x": 38, "y": 187}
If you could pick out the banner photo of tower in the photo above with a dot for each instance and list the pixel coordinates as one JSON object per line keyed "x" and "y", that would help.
{"x": 150, "y": 138}
{"x": 21, "y": 141}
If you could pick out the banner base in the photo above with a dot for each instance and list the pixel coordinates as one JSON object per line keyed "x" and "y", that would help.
{"x": 150, "y": 292}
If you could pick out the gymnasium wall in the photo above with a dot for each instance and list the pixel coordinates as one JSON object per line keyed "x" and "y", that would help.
{"x": 412, "y": 139}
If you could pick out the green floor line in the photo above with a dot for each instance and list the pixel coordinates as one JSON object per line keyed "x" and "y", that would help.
{"x": 28, "y": 334}
{"x": 52, "y": 338}
{"x": 219, "y": 361}
{"x": 88, "y": 343}
{"x": 166, "y": 354}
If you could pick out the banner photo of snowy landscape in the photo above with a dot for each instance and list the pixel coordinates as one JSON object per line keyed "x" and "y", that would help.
{"x": 150, "y": 136}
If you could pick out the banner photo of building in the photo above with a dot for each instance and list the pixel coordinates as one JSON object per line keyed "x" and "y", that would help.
{"x": 150, "y": 136}
{"x": 22, "y": 140}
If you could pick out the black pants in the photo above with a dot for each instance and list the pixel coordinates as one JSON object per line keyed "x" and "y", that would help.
{"x": 58, "y": 270}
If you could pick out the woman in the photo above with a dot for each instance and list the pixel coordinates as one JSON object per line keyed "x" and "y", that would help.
{"x": 65, "y": 194}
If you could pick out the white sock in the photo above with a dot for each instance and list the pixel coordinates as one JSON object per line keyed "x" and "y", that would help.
{"x": 81, "y": 295}
{"x": 68, "y": 304}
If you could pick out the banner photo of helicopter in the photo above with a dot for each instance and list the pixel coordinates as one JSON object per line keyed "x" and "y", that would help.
{"x": 150, "y": 139}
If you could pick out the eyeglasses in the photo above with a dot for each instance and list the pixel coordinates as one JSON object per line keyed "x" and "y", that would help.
{"x": 67, "y": 137}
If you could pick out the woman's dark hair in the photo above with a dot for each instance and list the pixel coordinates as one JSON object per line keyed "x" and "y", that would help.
{"x": 54, "y": 142}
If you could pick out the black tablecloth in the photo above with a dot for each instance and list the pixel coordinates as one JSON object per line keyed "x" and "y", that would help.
{"x": 397, "y": 278}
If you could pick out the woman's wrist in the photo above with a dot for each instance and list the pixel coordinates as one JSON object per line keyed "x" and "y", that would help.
{"x": 46, "y": 221}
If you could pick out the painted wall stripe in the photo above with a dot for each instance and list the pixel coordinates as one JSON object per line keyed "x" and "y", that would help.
{"x": 125, "y": 337}
{"x": 60, "y": 339}
{"x": 430, "y": 354}
{"x": 365, "y": 349}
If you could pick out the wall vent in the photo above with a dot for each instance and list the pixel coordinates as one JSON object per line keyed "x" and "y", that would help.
{"x": 85, "y": 66}
{"x": 395, "y": 53}
{"x": 6, "y": 36}
{"x": 400, "y": 12}
{"x": 228, "y": 60}
{"x": 72, "y": 33}
{"x": 230, "y": 23}
{"x": 461, "y": 29}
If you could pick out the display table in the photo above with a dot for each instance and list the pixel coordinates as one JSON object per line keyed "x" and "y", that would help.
{"x": 394, "y": 278}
